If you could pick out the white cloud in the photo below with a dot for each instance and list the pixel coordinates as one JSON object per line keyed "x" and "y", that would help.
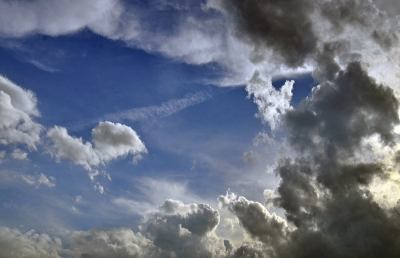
{"x": 18, "y": 110}
{"x": 36, "y": 180}
{"x": 65, "y": 146}
{"x": 113, "y": 140}
{"x": 14, "y": 243}
{"x": 271, "y": 103}
{"x": 20, "y": 18}
{"x": 152, "y": 193}
{"x": 112, "y": 243}
{"x": 109, "y": 141}
{"x": 194, "y": 39}
{"x": 149, "y": 113}
{"x": 39, "y": 180}
{"x": 19, "y": 154}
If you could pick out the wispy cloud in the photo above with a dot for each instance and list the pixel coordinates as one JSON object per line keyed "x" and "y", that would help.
{"x": 42, "y": 66}
{"x": 40, "y": 57}
{"x": 150, "y": 113}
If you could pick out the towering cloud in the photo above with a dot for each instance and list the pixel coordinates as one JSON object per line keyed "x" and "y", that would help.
{"x": 326, "y": 191}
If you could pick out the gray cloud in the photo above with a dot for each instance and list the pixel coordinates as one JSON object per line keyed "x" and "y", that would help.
{"x": 271, "y": 24}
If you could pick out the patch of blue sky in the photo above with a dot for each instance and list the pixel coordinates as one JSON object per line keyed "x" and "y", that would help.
{"x": 198, "y": 145}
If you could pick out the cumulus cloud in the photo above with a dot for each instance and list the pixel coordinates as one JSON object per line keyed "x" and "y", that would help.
{"x": 272, "y": 103}
{"x": 256, "y": 219}
{"x": 14, "y": 243}
{"x": 18, "y": 111}
{"x": 109, "y": 141}
{"x": 175, "y": 230}
{"x": 112, "y": 243}
{"x": 326, "y": 191}
{"x": 149, "y": 200}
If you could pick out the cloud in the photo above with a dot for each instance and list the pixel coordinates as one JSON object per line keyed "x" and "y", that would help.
{"x": 154, "y": 112}
{"x": 67, "y": 147}
{"x": 23, "y": 18}
{"x": 39, "y": 180}
{"x": 18, "y": 111}
{"x": 272, "y": 103}
{"x": 112, "y": 243}
{"x": 22, "y": 179}
{"x": 14, "y": 243}
{"x": 147, "y": 200}
{"x": 174, "y": 230}
{"x": 325, "y": 190}
{"x": 109, "y": 141}
{"x": 19, "y": 154}
{"x": 256, "y": 219}
{"x": 267, "y": 23}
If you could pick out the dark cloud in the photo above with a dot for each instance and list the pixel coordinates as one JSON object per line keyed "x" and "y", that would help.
{"x": 324, "y": 192}
{"x": 274, "y": 24}
{"x": 341, "y": 112}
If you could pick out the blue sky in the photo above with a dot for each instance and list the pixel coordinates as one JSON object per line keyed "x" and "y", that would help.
{"x": 179, "y": 128}
{"x": 88, "y": 78}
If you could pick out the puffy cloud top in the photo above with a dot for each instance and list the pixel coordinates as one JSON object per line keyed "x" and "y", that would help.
{"x": 18, "y": 111}
{"x": 14, "y": 243}
{"x": 110, "y": 141}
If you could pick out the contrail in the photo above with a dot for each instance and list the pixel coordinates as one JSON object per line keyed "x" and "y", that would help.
{"x": 153, "y": 112}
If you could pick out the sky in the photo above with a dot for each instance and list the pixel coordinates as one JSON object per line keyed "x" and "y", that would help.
{"x": 207, "y": 128}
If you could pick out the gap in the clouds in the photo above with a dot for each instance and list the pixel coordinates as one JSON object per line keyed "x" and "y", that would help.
{"x": 201, "y": 146}
{"x": 195, "y": 145}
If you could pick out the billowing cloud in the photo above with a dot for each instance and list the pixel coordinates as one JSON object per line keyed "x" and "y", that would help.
{"x": 109, "y": 141}
{"x": 112, "y": 243}
{"x": 175, "y": 230}
{"x": 272, "y": 103}
{"x": 18, "y": 111}
{"x": 14, "y": 243}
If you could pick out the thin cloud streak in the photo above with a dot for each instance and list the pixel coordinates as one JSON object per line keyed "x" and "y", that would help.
{"x": 151, "y": 113}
